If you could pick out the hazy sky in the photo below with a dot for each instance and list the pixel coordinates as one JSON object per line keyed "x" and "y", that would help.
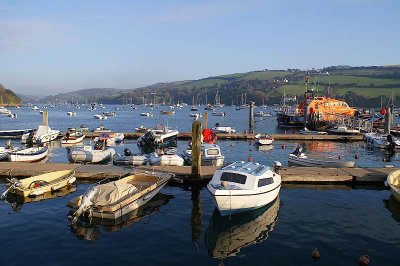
{"x": 53, "y": 46}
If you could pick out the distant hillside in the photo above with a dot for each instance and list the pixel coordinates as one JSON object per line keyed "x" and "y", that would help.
{"x": 359, "y": 86}
{"x": 8, "y": 97}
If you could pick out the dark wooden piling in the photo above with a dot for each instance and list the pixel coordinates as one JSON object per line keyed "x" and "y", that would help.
{"x": 251, "y": 117}
{"x": 196, "y": 150}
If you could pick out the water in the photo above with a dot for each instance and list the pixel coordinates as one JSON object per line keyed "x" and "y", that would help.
{"x": 181, "y": 226}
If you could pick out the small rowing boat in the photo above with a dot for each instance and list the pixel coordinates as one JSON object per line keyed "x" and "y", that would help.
{"x": 40, "y": 184}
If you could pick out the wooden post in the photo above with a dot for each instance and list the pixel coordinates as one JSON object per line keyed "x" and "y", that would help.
{"x": 388, "y": 119}
{"x": 196, "y": 150}
{"x": 45, "y": 118}
{"x": 205, "y": 120}
{"x": 251, "y": 118}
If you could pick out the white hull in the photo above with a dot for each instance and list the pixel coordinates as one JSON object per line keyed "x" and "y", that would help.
{"x": 90, "y": 155}
{"x": 305, "y": 161}
{"x": 171, "y": 160}
{"x": 234, "y": 201}
{"x": 380, "y": 141}
{"x": 72, "y": 140}
{"x": 43, "y": 134}
{"x": 29, "y": 155}
{"x": 227, "y": 130}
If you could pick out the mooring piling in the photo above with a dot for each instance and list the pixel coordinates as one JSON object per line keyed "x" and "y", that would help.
{"x": 196, "y": 150}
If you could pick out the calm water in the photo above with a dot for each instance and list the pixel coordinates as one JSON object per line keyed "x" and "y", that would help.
{"x": 180, "y": 226}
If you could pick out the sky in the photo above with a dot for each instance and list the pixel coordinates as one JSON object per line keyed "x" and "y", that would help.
{"x": 48, "y": 46}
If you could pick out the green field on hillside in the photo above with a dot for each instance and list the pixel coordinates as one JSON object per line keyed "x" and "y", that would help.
{"x": 371, "y": 92}
{"x": 264, "y": 75}
{"x": 345, "y": 80}
{"x": 203, "y": 83}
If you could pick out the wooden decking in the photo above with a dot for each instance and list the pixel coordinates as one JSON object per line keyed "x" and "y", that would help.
{"x": 305, "y": 175}
{"x": 241, "y": 136}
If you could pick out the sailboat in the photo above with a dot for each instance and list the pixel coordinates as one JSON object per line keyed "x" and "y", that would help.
{"x": 194, "y": 108}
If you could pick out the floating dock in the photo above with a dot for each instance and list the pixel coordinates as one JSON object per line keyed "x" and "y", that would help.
{"x": 242, "y": 136}
{"x": 305, "y": 175}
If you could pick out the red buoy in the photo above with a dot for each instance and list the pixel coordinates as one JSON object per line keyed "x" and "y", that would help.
{"x": 382, "y": 111}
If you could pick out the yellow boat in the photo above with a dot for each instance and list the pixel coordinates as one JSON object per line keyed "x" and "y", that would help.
{"x": 393, "y": 181}
{"x": 41, "y": 184}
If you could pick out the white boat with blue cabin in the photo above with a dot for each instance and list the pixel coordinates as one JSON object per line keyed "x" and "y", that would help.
{"x": 243, "y": 186}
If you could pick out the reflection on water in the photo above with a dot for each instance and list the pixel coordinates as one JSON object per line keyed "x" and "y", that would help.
{"x": 393, "y": 206}
{"x": 17, "y": 201}
{"x": 226, "y": 235}
{"x": 264, "y": 147}
{"x": 91, "y": 230}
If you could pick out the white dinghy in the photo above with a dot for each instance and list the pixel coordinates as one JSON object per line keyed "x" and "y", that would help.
{"x": 263, "y": 139}
{"x": 90, "y": 154}
{"x": 128, "y": 158}
{"x": 167, "y": 157}
{"x": 32, "y": 154}
{"x": 298, "y": 158}
{"x": 243, "y": 186}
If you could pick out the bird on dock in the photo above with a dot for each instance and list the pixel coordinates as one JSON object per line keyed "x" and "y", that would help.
{"x": 315, "y": 254}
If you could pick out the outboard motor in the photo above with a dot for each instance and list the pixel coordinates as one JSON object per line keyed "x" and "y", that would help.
{"x": 127, "y": 152}
{"x": 277, "y": 166}
{"x": 98, "y": 145}
{"x": 392, "y": 144}
{"x": 86, "y": 204}
{"x": 297, "y": 151}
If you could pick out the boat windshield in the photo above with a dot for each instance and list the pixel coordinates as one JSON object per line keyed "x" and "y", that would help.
{"x": 233, "y": 177}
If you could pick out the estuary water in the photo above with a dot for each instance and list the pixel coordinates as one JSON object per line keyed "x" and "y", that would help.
{"x": 180, "y": 226}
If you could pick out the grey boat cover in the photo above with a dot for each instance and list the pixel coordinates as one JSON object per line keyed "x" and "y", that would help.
{"x": 112, "y": 193}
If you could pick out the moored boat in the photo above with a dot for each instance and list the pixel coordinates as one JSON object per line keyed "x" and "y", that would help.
{"x": 89, "y": 154}
{"x": 40, "y": 184}
{"x": 161, "y": 136}
{"x": 298, "y": 158}
{"x": 72, "y": 138}
{"x": 81, "y": 128}
{"x": 382, "y": 141}
{"x": 343, "y": 130}
{"x": 306, "y": 131}
{"x": 146, "y": 114}
{"x": 129, "y": 158}
{"x": 243, "y": 186}
{"x": 42, "y": 134}
{"x": 224, "y": 129}
{"x": 210, "y": 155}
{"x": 393, "y": 181}
{"x": 167, "y": 157}
{"x": 101, "y": 117}
{"x": 263, "y": 139}
{"x": 115, "y": 199}
{"x": 28, "y": 155}
{"x": 142, "y": 129}
{"x": 15, "y": 133}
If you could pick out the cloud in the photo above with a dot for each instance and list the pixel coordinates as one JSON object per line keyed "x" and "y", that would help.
{"x": 18, "y": 36}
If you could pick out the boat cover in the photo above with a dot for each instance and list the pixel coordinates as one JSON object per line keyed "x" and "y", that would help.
{"x": 112, "y": 193}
